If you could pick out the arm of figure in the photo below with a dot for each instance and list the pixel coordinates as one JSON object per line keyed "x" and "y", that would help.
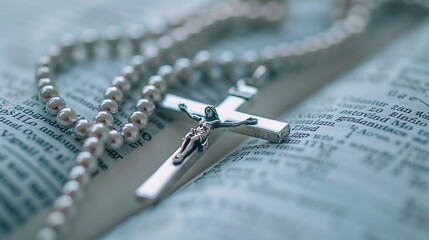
{"x": 192, "y": 115}
{"x": 249, "y": 121}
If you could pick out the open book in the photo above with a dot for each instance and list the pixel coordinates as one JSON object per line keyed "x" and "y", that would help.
{"x": 355, "y": 165}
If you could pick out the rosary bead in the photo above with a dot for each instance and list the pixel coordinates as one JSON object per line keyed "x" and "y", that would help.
{"x": 158, "y": 82}
{"x": 67, "y": 43}
{"x": 283, "y": 52}
{"x": 86, "y": 160}
{"x": 273, "y": 12}
{"x": 157, "y": 27}
{"x": 268, "y": 56}
{"x": 151, "y": 55}
{"x": 165, "y": 45}
{"x": 139, "y": 119}
{"x": 55, "y": 53}
{"x": 138, "y": 62}
{"x": 94, "y": 146}
{"x": 113, "y": 36}
{"x": 44, "y": 61}
{"x": 104, "y": 117}
{"x": 250, "y": 61}
{"x": 79, "y": 174}
{"x": 44, "y": 82}
{"x": 146, "y": 106}
{"x": 81, "y": 128}
{"x": 63, "y": 204}
{"x": 152, "y": 93}
{"x": 114, "y": 93}
{"x": 166, "y": 72}
{"x": 130, "y": 133}
{"x": 114, "y": 140}
{"x": 72, "y": 188}
{"x": 136, "y": 34}
{"x": 180, "y": 36}
{"x": 47, "y": 233}
{"x": 109, "y": 105}
{"x": 183, "y": 69}
{"x": 228, "y": 64}
{"x": 47, "y": 92}
{"x": 203, "y": 61}
{"x": 66, "y": 117}
{"x": 56, "y": 220}
{"x": 130, "y": 74}
{"x": 43, "y": 72}
{"x": 259, "y": 76}
{"x": 54, "y": 105}
{"x": 89, "y": 40}
{"x": 121, "y": 83}
{"x": 99, "y": 131}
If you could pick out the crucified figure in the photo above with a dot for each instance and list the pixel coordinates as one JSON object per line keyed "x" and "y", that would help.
{"x": 197, "y": 138}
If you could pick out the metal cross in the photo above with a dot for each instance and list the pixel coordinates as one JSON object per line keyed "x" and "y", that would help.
{"x": 161, "y": 182}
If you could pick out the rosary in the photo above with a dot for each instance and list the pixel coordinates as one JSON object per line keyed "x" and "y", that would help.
{"x": 177, "y": 35}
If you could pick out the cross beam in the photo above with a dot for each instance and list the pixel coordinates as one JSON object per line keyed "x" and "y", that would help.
{"x": 160, "y": 183}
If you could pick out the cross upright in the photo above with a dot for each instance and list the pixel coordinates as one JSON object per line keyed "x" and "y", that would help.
{"x": 160, "y": 183}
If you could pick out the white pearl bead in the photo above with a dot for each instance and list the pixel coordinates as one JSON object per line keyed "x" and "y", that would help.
{"x": 67, "y": 43}
{"x": 54, "y": 105}
{"x": 100, "y": 131}
{"x": 55, "y": 53}
{"x": 166, "y": 72}
{"x": 72, "y": 188}
{"x": 136, "y": 34}
{"x": 158, "y": 82}
{"x": 113, "y": 36}
{"x": 180, "y": 36}
{"x": 130, "y": 133}
{"x": 44, "y": 82}
{"x": 94, "y": 146}
{"x": 66, "y": 117}
{"x": 165, "y": 45}
{"x": 259, "y": 76}
{"x": 43, "y": 72}
{"x": 151, "y": 55}
{"x": 114, "y": 93}
{"x": 139, "y": 119}
{"x": 47, "y": 92}
{"x": 183, "y": 69}
{"x": 250, "y": 59}
{"x": 81, "y": 129}
{"x": 138, "y": 62}
{"x": 89, "y": 40}
{"x": 268, "y": 56}
{"x": 56, "y": 220}
{"x": 109, "y": 105}
{"x": 157, "y": 27}
{"x": 273, "y": 12}
{"x": 146, "y": 106}
{"x": 203, "y": 61}
{"x": 104, "y": 117}
{"x": 227, "y": 62}
{"x": 79, "y": 174}
{"x": 44, "y": 61}
{"x": 64, "y": 203}
{"x": 129, "y": 73}
{"x": 47, "y": 233}
{"x": 121, "y": 83}
{"x": 86, "y": 160}
{"x": 114, "y": 140}
{"x": 152, "y": 93}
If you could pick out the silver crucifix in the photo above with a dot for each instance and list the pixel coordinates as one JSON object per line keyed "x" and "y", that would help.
{"x": 225, "y": 116}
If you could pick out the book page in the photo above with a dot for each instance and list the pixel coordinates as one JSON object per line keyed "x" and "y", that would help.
{"x": 356, "y": 166}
